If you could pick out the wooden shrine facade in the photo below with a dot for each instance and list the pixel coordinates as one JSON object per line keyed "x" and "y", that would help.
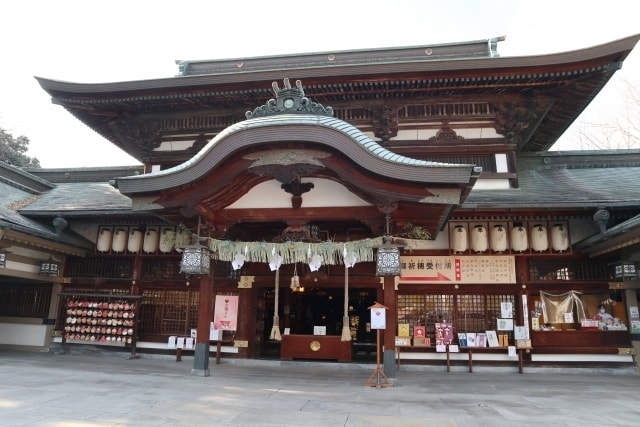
{"x": 406, "y": 141}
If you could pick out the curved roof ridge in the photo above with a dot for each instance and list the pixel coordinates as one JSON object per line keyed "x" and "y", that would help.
{"x": 377, "y": 153}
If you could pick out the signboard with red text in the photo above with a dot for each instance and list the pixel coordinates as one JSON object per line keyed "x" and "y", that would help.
{"x": 458, "y": 269}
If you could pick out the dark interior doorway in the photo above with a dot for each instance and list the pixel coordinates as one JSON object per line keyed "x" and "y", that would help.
{"x": 300, "y": 312}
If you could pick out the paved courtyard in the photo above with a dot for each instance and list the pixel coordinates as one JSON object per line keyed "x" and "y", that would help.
{"x": 43, "y": 389}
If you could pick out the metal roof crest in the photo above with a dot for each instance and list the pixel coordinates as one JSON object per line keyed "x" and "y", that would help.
{"x": 289, "y": 100}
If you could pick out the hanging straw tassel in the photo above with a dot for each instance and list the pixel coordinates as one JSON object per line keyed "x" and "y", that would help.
{"x": 275, "y": 329}
{"x": 346, "y": 332}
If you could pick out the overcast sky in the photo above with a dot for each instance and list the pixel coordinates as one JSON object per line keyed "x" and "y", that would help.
{"x": 91, "y": 42}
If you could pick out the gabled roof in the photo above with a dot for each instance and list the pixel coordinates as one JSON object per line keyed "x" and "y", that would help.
{"x": 530, "y": 100}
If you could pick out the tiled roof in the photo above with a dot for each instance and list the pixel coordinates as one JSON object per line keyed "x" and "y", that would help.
{"x": 561, "y": 180}
{"x": 79, "y": 199}
{"x": 9, "y": 217}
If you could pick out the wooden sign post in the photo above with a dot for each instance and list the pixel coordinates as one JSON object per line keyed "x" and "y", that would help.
{"x": 378, "y": 322}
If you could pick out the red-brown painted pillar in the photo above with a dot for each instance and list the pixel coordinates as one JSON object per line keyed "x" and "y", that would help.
{"x": 201, "y": 353}
{"x": 389, "y": 301}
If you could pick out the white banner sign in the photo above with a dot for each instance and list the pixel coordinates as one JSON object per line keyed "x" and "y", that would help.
{"x": 458, "y": 269}
{"x": 378, "y": 318}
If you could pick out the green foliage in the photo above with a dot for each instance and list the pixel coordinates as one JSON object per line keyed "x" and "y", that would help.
{"x": 13, "y": 150}
{"x": 411, "y": 231}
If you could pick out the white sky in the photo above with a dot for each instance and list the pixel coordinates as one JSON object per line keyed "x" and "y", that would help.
{"x": 89, "y": 42}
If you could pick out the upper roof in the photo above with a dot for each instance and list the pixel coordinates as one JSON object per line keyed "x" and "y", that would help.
{"x": 530, "y": 100}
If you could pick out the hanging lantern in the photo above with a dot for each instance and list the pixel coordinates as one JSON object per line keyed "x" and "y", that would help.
{"x": 388, "y": 258}
{"x": 183, "y": 238}
{"x": 104, "y": 240}
{"x": 459, "y": 239}
{"x": 49, "y": 267}
{"x": 499, "y": 238}
{"x": 559, "y": 238}
{"x": 150, "y": 243}
{"x": 623, "y": 270}
{"x": 539, "y": 238}
{"x": 135, "y": 241}
{"x": 167, "y": 240}
{"x": 196, "y": 260}
{"x": 479, "y": 239}
{"x": 3, "y": 258}
{"x": 519, "y": 240}
{"x": 119, "y": 240}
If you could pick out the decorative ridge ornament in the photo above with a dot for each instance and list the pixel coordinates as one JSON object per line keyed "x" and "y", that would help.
{"x": 289, "y": 101}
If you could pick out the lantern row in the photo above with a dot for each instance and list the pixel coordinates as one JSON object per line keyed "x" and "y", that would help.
{"x": 482, "y": 238}
{"x": 136, "y": 239}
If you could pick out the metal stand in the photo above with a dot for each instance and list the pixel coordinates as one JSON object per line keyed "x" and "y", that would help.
{"x": 378, "y": 378}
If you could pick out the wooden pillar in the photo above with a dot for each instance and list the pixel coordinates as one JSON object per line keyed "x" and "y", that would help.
{"x": 246, "y": 317}
{"x": 201, "y": 353}
{"x": 389, "y": 300}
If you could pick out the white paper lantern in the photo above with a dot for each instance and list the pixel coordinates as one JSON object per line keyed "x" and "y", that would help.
{"x": 559, "y": 238}
{"x": 135, "y": 241}
{"x": 167, "y": 240}
{"x": 119, "y": 240}
{"x": 104, "y": 240}
{"x": 519, "y": 240}
{"x": 479, "y": 239}
{"x": 150, "y": 243}
{"x": 499, "y": 241}
{"x": 183, "y": 238}
{"x": 459, "y": 239}
{"x": 539, "y": 238}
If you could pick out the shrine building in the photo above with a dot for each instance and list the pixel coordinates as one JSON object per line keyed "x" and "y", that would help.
{"x": 281, "y": 201}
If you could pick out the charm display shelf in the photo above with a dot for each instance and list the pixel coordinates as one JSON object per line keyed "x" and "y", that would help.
{"x": 100, "y": 319}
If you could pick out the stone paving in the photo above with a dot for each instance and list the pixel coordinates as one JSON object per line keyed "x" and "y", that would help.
{"x": 49, "y": 390}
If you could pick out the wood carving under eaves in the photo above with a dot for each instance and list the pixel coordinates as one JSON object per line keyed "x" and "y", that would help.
{"x": 145, "y": 135}
{"x": 446, "y": 133}
{"x": 385, "y": 122}
{"x": 518, "y": 119}
{"x": 296, "y": 188}
{"x": 286, "y": 165}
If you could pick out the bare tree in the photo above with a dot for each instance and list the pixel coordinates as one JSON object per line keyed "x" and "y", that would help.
{"x": 617, "y": 128}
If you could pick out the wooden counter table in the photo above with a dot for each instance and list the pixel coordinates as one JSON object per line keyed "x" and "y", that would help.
{"x": 329, "y": 347}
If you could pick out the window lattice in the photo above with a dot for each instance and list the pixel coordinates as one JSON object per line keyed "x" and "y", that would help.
{"x": 168, "y": 312}
{"x": 117, "y": 267}
{"x": 567, "y": 269}
{"x": 25, "y": 301}
{"x": 163, "y": 268}
{"x": 467, "y": 313}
